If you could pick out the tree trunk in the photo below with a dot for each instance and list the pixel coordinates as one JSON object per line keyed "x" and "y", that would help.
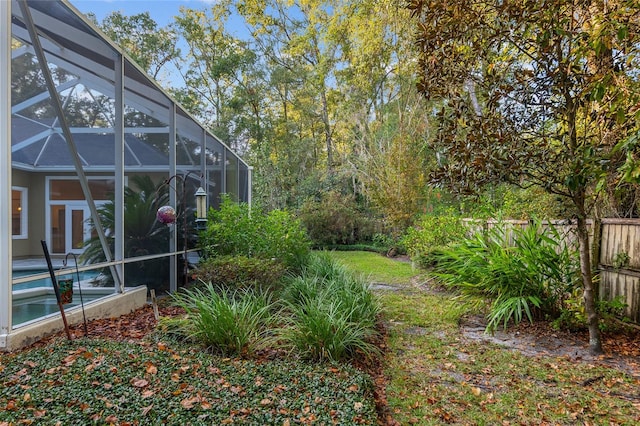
{"x": 595, "y": 343}
{"x": 327, "y": 132}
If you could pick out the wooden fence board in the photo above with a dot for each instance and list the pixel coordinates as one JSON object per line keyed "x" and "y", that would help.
{"x": 614, "y": 284}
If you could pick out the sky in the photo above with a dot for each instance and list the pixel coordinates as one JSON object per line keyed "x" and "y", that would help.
{"x": 162, "y": 11}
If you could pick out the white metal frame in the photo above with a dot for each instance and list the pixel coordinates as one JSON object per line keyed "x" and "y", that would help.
{"x": 5, "y": 171}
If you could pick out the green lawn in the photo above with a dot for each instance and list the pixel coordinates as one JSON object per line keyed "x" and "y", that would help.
{"x": 376, "y": 267}
{"x": 435, "y": 376}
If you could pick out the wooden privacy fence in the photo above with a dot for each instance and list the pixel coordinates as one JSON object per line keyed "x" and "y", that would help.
{"x": 618, "y": 258}
{"x": 619, "y": 263}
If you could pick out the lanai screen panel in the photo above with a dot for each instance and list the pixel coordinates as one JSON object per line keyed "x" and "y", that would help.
{"x": 47, "y": 165}
{"x": 44, "y": 160}
{"x": 159, "y": 141}
{"x": 215, "y": 169}
{"x": 231, "y": 175}
{"x": 243, "y": 183}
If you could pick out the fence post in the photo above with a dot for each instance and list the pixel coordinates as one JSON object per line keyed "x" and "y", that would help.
{"x": 596, "y": 245}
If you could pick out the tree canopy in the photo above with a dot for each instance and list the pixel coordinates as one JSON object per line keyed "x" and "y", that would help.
{"x": 533, "y": 93}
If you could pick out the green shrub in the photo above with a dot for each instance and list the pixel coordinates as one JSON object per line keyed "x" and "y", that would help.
{"x": 336, "y": 219}
{"x": 512, "y": 202}
{"x": 321, "y": 329}
{"x": 432, "y": 231}
{"x": 531, "y": 278}
{"x": 235, "y": 230}
{"x": 241, "y": 272}
{"x": 229, "y": 322}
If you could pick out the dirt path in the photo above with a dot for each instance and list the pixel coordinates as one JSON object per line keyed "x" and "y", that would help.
{"x": 622, "y": 350}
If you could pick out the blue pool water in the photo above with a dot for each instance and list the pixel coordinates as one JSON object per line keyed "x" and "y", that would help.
{"x": 46, "y": 282}
{"x": 44, "y": 304}
{"x": 35, "y": 298}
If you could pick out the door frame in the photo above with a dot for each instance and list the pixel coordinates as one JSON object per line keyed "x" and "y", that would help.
{"x": 70, "y": 205}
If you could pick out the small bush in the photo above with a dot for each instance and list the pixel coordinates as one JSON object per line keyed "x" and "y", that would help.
{"x": 431, "y": 233}
{"x": 336, "y": 219}
{"x": 241, "y": 272}
{"x": 527, "y": 280}
{"x": 228, "y": 322}
{"x": 233, "y": 230}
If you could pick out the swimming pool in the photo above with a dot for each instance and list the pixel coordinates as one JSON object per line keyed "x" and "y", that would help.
{"x": 37, "y": 303}
{"x": 46, "y": 282}
{"x": 35, "y": 298}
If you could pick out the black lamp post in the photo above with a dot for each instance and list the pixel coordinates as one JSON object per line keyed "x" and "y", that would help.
{"x": 167, "y": 214}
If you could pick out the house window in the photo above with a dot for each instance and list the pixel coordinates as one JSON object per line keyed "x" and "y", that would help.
{"x": 19, "y": 212}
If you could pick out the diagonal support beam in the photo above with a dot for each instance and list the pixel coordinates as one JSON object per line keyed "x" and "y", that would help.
{"x": 57, "y": 104}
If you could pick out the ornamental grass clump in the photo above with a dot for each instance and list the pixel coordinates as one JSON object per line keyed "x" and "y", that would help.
{"x": 330, "y": 314}
{"x": 322, "y": 330}
{"x": 230, "y": 322}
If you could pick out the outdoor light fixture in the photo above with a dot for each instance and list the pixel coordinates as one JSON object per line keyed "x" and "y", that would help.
{"x": 201, "y": 208}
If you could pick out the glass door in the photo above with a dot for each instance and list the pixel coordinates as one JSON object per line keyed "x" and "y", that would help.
{"x": 69, "y": 227}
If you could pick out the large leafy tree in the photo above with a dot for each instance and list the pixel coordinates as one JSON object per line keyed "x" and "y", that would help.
{"x": 304, "y": 41}
{"x": 222, "y": 75}
{"x": 151, "y": 46}
{"x": 385, "y": 121}
{"x": 533, "y": 93}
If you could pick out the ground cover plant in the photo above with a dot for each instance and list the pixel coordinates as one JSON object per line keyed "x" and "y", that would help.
{"x": 99, "y": 381}
{"x": 435, "y": 374}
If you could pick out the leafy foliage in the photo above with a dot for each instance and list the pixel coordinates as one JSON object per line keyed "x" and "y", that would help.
{"x": 334, "y": 219}
{"x": 393, "y": 162}
{"x": 529, "y": 279}
{"x": 240, "y": 272}
{"x": 105, "y": 382}
{"x": 229, "y": 322}
{"x": 512, "y": 202}
{"x": 234, "y": 230}
{"x": 432, "y": 232}
{"x": 532, "y": 94}
{"x": 151, "y": 47}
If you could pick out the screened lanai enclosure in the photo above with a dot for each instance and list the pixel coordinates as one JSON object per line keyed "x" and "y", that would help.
{"x": 91, "y": 149}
